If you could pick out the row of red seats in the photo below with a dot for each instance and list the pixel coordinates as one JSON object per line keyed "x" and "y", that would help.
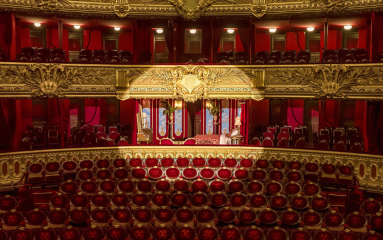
{"x": 184, "y": 232}
{"x": 42, "y": 55}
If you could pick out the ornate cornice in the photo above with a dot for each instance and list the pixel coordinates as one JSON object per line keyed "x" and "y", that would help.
{"x": 367, "y": 161}
{"x": 208, "y": 8}
{"x": 191, "y": 82}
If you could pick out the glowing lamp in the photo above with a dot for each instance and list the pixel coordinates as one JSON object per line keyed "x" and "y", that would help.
{"x": 272, "y": 30}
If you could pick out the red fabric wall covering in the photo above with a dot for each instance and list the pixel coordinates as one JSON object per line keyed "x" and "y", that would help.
{"x": 95, "y": 111}
{"x": 53, "y": 39}
{"x": 54, "y": 113}
{"x": 262, "y": 42}
{"x": 8, "y": 33}
{"x": 238, "y": 43}
{"x": 361, "y": 119}
{"x": 128, "y": 116}
{"x": 25, "y": 37}
{"x": 125, "y": 41}
{"x": 258, "y": 117}
{"x": 23, "y": 119}
{"x": 362, "y": 39}
{"x": 6, "y": 126}
{"x": 295, "y": 112}
{"x": 334, "y": 40}
{"x": 292, "y": 43}
{"x": 96, "y": 39}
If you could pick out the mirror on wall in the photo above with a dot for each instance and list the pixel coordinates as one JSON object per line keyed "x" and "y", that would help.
{"x": 193, "y": 41}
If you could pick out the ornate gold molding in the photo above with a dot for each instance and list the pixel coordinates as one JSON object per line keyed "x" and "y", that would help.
{"x": 368, "y": 161}
{"x": 329, "y": 80}
{"x": 331, "y": 5}
{"x": 122, "y": 8}
{"x": 259, "y": 8}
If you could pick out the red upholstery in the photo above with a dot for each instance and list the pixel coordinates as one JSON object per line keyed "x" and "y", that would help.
{"x": 267, "y": 142}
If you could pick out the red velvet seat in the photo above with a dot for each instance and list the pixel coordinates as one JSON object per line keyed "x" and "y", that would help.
{"x": 300, "y": 234}
{"x": 328, "y": 173}
{"x": 273, "y": 187}
{"x": 217, "y": 186}
{"x": 300, "y": 143}
{"x": 294, "y": 176}
{"x": 333, "y": 220}
{"x": 292, "y": 188}
{"x": 241, "y": 174}
{"x": 114, "y": 135}
{"x": 340, "y": 146}
{"x": 35, "y": 175}
{"x": 57, "y": 218}
{"x": 138, "y": 173}
{"x": 224, "y": 173}
{"x": 299, "y": 202}
{"x": 357, "y": 222}
{"x": 311, "y": 189}
{"x": 126, "y": 186}
{"x": 163, "y": 185}
{"x": 69, "y": 234}
{"x": 35, "y": 218}
{"x": 142, "y": 216}
{"x": 205, "y": 216}
{"x": 52, "y": 172}
{"x": 267, "y": 142}
{"x": 185, "y": 233}
{"x": 7, "y": 203}
{"x": 107, "y": 186}
{"x": 323, "y": 145}
{"x": 69, "y": 187}
{"x": 116, "y": 233}
{"x": 357, "y": 147}
{"x": 312, "y": 220}
{"x": 121, "y": 216}
{"x": 290, "y": 217}
{"x": 144, "y": 186}
{"x": 345, "y": 175}
{"x": 69, "y": 170}
{"x": 276, "y": 175}
{"x": 208, "y": 233}
{"x": 99, "y": 200}
{"x": 93, "y": 233}
{"x": 376, "y": 221}
{"x": 268, "y": 216}
{"x": 278, "y": 201}
{"x": 12, "y": 220}
{"x": 135, "y": 162}
{"x": 120, "y": 173}
{"x": 119, "y": 199}
{"x": 199, "y": 186}
{"x": 22, "y": 234}
{"x": 123, "y": 142}
{"x": 199, "y": 162}
{"x": 190, "y": 173}
{"x": 84, "y": 175}
{"x": 89, "y": 140}
{"x": 79, "y": 200}
{"x": 294, "y": 165}
{"x": 88, "y": 187}
{"x": 207, "y": 173}
{"x": 59, "y": 200}
{"x": 259, "y": 174}
{"x": 371, "y": 206}
{"x": 199, "y": 199}
{"x": 236, "y": 186}
{"x": 140, "y": 233}
{"x": 103, "y": 174}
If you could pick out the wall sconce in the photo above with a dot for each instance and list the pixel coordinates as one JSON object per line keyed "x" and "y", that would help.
{"x": 272, "y": 30}
{"x": 178, "y": 104}
{"x": 347, "y": 27}
{"x": 37, "y": 24}
{"x": 208, "y": 105}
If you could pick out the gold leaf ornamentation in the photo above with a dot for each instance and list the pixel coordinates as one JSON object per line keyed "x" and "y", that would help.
{"x": 196, "y": 11}
{"x": 329, "y": 80}
{"x": 49, "y": 5}
{"x": 52, "y": 80}
{"x": 193, "y": 82}
{"x": 259, "y": 8}
{"x": 331, "y": 5}
{"x": 121, "y": 8}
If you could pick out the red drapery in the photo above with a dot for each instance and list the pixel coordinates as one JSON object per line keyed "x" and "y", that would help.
{"x": 352, "y": 43}
{"x": 169, "y": 42}
{"x": 93, "y": 39}
{"x": 245, "y": 121}
{"x": 160, "y": 47}
{"x": 217, "y": 34}
{"x": 142, "y": 38}
{"x": 125, "y": 41}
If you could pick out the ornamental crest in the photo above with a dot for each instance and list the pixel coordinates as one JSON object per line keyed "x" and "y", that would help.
{"x": 331, "y": 5}
{"x": 121, "y": 8}
{"x": 50, "y": 5}
{"x": 259, "y": 8}
{"x": 192, "y": 10}
{"x": 193, "y": 82}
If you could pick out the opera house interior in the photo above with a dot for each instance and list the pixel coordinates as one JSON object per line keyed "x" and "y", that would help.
{"x": 191, "y": 120}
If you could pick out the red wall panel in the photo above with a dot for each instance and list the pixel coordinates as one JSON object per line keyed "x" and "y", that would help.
{"x": 125, "y": 41}
{"x": 96, "y": 39}
{"x": 292, "y": 42}
{"x": 262, "y": 42}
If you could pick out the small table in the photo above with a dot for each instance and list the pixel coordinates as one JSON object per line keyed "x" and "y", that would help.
{"x": 237, "y": 140}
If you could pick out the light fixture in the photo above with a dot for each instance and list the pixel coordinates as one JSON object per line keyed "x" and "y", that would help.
{"x": 77, "y": 26}
{"x": 117, "y": 28}
{"x": 230, "y": 30}
{"x": 178, "y": 104}
{"x": 37, "y": 24}
{"x": 159, "y": 30}
{"x": 272, "y": 30}
{"x": 192, "y": 31}
{"x": 310, "y": 29}
{"x": 347, "y": 27}
{"x": 208, "y": 105}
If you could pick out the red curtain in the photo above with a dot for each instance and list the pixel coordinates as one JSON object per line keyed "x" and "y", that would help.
{"x": 375, "y": 126}
{"x": 93, "y": 39}
{"x": 352, "y": 43}
{"x": 125, "y": 41}
{"x": 262, "y": 42}
{"x": 142, "y": 38}
{"x": 217, "y": 34}
{"x": 160, "y": 46}
{"x": 245, "y": 121}
{"x": 6, "y": 132}
{"x": 169, "y": 42}
{"x": 244, "y": 34}
{"x": 279, "y": 45}
{"x": 228, "y": 46}
{"x": 314, "y": 45}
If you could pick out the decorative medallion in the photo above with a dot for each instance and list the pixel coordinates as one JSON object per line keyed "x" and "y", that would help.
{"x": 122, "y": 8}
{"x": 259, "y": 8}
